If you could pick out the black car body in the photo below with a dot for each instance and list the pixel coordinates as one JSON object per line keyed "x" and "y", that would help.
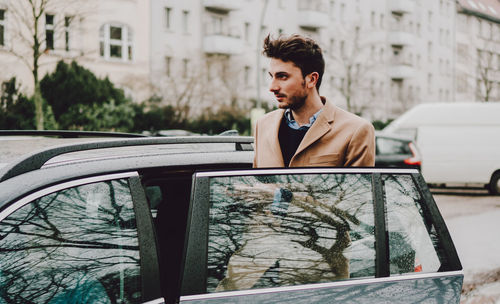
{"x": 186, "y": 219}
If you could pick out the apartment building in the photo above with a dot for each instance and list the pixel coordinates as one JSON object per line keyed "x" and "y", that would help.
{"x": 382, "y": 56}
{"x": 108, "y": 37}
{"x": 478, "y": 50}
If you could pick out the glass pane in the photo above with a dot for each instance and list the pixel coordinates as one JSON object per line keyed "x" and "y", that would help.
{"x": 101, "y": 49}
{"x": 49, "y": 39}
{"x": 49, "y": 19}
{"x": 78, "y": 245}
{"x": 268, "y": 231}
{"x": 115, "y": 32}
{"x": 391, "y": 146}
{"x": 115, "y": 51}
{"x": 412, "y": 238}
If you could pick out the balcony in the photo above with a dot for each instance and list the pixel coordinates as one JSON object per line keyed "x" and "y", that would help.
{"x": 312, "y": 19}
{"x": 222, "y": 44}
{"x": 400, "y": 69}
{"x": 400, "y": 37}
{"x": 401, "y": 6}
{"x": 223, "y": 5}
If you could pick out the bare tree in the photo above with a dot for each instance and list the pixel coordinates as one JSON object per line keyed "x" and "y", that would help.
{"x": 354, "y": 64}
{"x": 485, "y": 73}
{"x": 34, "y": 32}
{"x": 196, "y": 86}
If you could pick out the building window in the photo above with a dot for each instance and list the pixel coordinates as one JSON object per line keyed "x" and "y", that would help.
{"x": 168, "y": 17}
{"x": 247, "y": 31}
{"x": 429, "y": 51}
{"x": 2, "y": 27}
{"x": 168, "y": 63}
{"x": 332, "y": 9}
{"x": 185, "y": 67}
{"x": 67, "y": 22}
{"x": 429, "y": 83}
{"x": 116, "y": 42}
{"x": 49, "y": 32}
{"x": 247, "y": 76}
{"x": 217, "y": 25}
{"x": 429, "y": 21}
{"x": 185, "y": 21}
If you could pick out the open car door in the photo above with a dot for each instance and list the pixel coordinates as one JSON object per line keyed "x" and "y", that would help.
{"x": 317, "y": 235}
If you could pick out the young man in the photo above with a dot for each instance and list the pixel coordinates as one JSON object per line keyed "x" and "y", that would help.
{"x": 307, "y": 130}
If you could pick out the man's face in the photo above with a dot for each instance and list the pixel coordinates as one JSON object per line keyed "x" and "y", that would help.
{"x": 287, "y": 84}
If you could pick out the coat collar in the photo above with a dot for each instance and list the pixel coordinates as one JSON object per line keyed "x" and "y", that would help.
{"x": 321, "y": 126}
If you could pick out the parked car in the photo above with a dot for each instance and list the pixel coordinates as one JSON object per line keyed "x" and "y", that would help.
{"x": 186, "y": 219}
{"x": 396, "y": 151}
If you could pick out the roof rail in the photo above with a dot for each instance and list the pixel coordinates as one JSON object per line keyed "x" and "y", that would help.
{"x": 36, "y": 160}
{"x": 67, "y": 133}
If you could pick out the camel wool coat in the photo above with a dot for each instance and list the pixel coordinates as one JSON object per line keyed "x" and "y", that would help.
{"x": 336, "y": 139}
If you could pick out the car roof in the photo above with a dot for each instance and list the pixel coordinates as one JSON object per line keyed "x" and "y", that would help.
{"x": 382, "y": 134}
{"x": 78, "y": 160}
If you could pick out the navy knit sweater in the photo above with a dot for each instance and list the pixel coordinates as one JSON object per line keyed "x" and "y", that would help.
{"x": 289, "y": 140}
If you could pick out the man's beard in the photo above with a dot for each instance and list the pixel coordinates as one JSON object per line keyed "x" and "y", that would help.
{"x": 297, "y": 101}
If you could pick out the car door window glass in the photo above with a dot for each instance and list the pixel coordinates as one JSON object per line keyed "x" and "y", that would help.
{"x": 76, "y": 245}
{"x": 391, "y": 146}
{"x": 413, "y": 244}
{"x": 280, "y": 230}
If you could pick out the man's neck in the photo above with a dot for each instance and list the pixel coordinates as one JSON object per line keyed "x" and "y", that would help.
{"x": 312, "y": 105}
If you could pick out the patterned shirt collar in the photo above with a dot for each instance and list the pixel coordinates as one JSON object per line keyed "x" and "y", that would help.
{"x": 294, "y": 125}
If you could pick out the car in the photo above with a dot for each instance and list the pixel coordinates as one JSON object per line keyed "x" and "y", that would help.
{"x": 186, "y": 219}
{"x": 396, "y": 151}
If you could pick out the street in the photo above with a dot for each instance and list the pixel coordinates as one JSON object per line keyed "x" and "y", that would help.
{"x": 472, "y": 217}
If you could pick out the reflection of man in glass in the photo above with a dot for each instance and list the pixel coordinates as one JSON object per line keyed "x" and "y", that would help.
{"x": 287, "y": 243}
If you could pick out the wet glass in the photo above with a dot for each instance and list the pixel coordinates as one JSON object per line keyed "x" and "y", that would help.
{"x": 282, "y": 230}
{"x": 413, "y": 242}
{"x": 76, "y": 245}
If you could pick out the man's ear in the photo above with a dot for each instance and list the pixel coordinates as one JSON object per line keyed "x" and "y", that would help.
{"x": 311, "y": 80}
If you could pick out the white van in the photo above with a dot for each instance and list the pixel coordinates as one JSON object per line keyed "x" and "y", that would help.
{"x": 459, "y": 142}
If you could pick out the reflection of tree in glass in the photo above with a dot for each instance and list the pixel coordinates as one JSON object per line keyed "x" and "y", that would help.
{"x": 80, "y": 241}
{"x": 250, "y": 247}
{"x": 412, "y": 236}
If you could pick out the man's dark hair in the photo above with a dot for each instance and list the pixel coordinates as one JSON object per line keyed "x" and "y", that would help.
{"x": 304, "y": 52}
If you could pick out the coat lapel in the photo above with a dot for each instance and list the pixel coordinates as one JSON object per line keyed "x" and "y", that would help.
{"x": 318, "y": 128}
{"x": 275, "y": 155}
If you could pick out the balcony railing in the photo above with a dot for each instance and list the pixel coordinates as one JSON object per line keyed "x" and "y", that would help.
{"x": 401, "y": 71}
{"x": 400, "y": 38}
{"x": 312, "y": 19}
{"x": 222, "y": 44}
{"x": 312, "y": 5}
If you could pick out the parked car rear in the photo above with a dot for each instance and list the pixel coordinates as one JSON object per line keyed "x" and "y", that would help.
{"x": 394, "y": 151}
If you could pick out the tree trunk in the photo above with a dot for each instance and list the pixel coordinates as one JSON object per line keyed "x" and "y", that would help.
{"x": 38, "y": 107}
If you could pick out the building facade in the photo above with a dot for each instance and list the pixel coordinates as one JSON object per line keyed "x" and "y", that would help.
{"x": 382, "y": 56}
{"x": 108, "y": 37}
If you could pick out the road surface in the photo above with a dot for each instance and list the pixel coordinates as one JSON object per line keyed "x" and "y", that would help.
{"x": 473, "y": 219}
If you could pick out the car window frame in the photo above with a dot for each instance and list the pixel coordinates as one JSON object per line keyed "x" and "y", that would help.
{"x": 150, "y": 278}
{"x": 196, "y": 250}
